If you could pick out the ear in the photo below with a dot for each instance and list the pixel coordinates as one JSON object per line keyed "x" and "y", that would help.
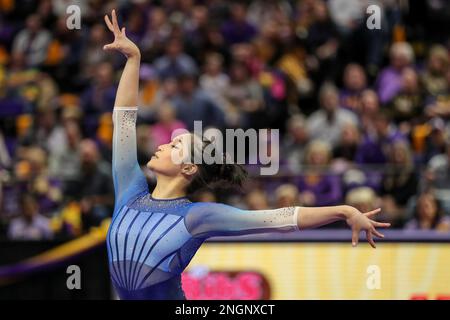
{"x": 189, "y": 169}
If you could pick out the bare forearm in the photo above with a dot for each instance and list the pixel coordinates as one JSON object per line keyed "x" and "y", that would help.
{"x": 127, "y": 92}
{"x": 313, "y": 217}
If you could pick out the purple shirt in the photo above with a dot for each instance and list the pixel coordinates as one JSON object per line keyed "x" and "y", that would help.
{"x": 235, "y": 32}
{"x": 327, "y": 191}
{"x": 388, "y": 84}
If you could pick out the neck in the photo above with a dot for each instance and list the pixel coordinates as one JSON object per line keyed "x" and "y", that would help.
{"x": 168, "y": 188}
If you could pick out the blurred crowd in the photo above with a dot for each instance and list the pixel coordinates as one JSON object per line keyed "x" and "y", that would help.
{"x": 363, "y": 113}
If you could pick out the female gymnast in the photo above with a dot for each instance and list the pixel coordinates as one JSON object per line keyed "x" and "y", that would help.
{"x": 153, "y": 236}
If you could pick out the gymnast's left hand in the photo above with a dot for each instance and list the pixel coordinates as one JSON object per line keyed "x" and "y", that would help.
{"x": 359, "y": 221}
{"x": 121, "y": 43}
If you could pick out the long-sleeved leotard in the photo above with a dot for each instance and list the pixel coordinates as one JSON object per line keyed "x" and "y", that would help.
{"x": 151, "y": 241}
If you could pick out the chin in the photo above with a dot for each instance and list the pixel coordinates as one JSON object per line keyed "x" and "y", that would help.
{"x": 149, "y": 165}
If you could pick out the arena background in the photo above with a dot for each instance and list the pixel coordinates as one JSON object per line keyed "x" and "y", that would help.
{"x": 363, "y": 119}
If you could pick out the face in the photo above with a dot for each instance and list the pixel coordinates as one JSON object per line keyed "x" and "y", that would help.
{"x": 349, "y": 134}
{"x": 29, "y": 208}
{"x": 354, "y": 77}
{"x": 369, "y": 102}
{"x": 399, "y": 60}
{"x": 170, "y": 158}
{"x": 426, "y": 207}
{"x": 318, "y": 158}
{"x": 330, "y": 101}
{"x": 399, "y": 154}
{"x": 88, "y": 152}
{"x": 410, "y": 81}
{"x": 257, "y": 200}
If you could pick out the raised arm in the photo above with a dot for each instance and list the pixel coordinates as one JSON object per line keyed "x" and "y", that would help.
{"x": 129, "y": 180}
{"x": 214, "y": 219}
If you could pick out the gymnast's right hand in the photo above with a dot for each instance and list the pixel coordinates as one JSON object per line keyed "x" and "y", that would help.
{"x": 121, "y": 43}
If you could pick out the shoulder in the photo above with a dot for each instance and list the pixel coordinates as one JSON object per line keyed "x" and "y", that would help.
{"x": 206, "y": 208}
{"x": 437, "y": 162}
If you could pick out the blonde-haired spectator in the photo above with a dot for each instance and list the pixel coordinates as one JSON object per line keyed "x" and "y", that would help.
{"x": 287, "y": 195}
{"x": 257, "y": 199}
{"x": 401, "y": 55}
{"x": 362, "y": 198}
{"x": 433, "y": 78}
{"x": 318, "y": 187}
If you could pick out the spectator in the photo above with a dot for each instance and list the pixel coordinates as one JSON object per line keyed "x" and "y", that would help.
{"x": 158, "y": 31}
{"x": 237, "y": 29}
{"x": 369, "y": 109}
{"x": 439, "y": 105}
{"x": 32, "y": 42}
{"x": 257, "y": 200}
{"x": 434, "y": 77}
{"x": 435, "y": 141}
{"x": 94, "y": 186}
{"x": 390, "y": 78}
{"x": 330, "y": 116}
{"x": 317, "y": 186}
{"x": 175, "y": 62}
{"x": 245, "y": 99}
{"x": 192, "y": 104}
{"x": 295, "y": 142}
{"x": 31, "y": 225}
{"x": 374, "y": 146}
{"x": 286, "y": 195}
{"x": 214, "y": 81}
{"x": 163, "y": 130}
{"x": 362, "y": 198}
{"x": 399, "y": 182}
{"x": 64, "y": 161}
{"x": 99, "y": 97}
{"x": 322, "y": 40}
{"x": 408, "y": 103}
{"x": 428, "y": 215}
{"x": 348, "y": 145}
{"x": 355, "y": 82}
{"x": 437, "y": 177}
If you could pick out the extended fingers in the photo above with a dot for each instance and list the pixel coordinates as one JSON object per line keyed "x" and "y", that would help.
{"x": 381, "y": 224}
{"x": 370, "y": 238}
{"x": 114, "y": 22}
{"x": 108, "y": 23}
{"x": 110, "y": 46}
{"x": 355, "y": 238}
{"x": 373, "y": 212}
{"x": 377, "y": 233}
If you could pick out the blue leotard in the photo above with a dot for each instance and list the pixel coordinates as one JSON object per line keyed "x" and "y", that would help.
{"x": 151, "y": 241}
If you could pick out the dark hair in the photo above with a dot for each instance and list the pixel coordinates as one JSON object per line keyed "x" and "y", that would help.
{"x": 439, "y": 208}
{"x": 212, "y": 175}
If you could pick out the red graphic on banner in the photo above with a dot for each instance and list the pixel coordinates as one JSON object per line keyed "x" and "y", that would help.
{"x": 223, "y": 285}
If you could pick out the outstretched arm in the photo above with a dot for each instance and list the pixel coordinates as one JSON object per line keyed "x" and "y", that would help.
{"x": 128, "y": 177}
{"x": 214, "y": 219}
{"x": 313, "y": 217}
